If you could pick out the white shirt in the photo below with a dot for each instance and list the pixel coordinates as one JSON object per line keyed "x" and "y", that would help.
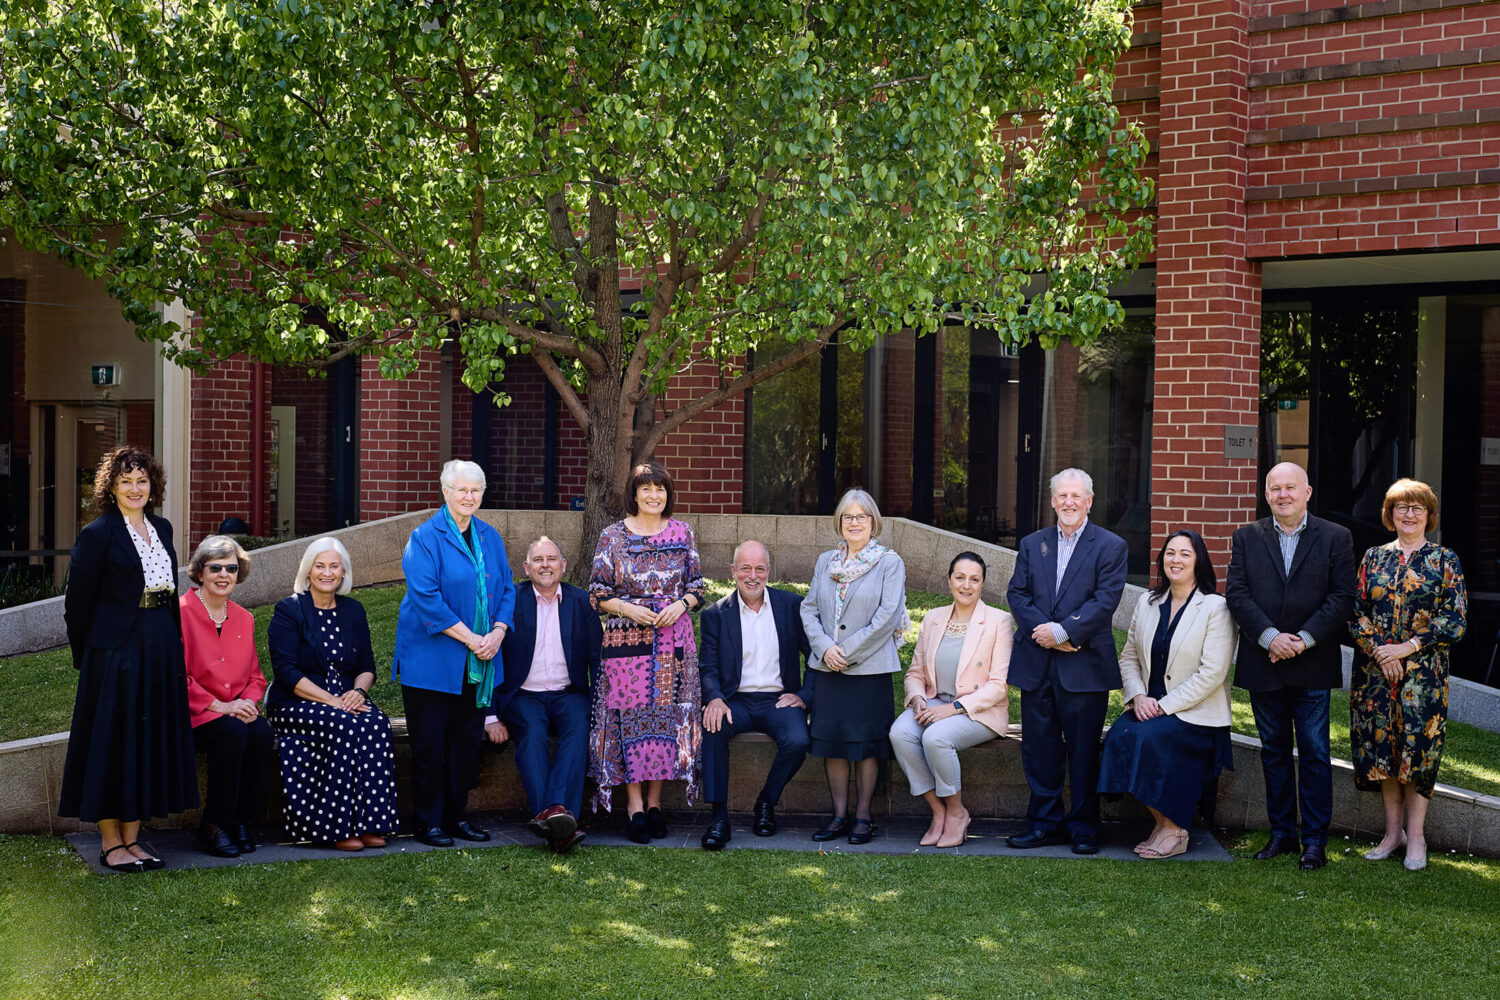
{"x": 760, "y": 648}
{"x": 157, "y": 568}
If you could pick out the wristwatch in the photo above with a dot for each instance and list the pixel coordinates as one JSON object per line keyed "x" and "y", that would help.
{"x": 958, "y": 707}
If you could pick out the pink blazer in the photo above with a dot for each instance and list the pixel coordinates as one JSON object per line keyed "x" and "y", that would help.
{"x": 982, "y": 665}
{"x": 221, "y": 666}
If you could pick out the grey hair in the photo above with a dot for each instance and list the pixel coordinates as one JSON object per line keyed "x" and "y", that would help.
{"x": 457, "y": 471}
{"x": 857, "y": 496}
{"x": 318, "y": 546}
{"x": 217, "y": 547}
{"x": 734, "y": 557}
{"x": 1088, "y": 481}
{"x": 539, "y": 540}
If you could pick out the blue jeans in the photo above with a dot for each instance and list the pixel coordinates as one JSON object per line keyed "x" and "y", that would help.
{"x": 1277, "y": 715}
{"x": 550, "y": 779}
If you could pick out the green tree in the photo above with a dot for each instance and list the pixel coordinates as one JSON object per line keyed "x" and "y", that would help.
{"x": 319, "y": 179}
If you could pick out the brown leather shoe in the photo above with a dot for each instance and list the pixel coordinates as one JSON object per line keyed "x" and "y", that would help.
{"x": 372, "y": 840}
{"x": 349, "y": 844}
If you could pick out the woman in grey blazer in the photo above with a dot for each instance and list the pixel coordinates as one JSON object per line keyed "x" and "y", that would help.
{"x": 854, "y": 614}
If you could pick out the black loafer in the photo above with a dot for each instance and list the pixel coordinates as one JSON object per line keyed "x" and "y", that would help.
{"x": 243, "y": 840}
{"x": 656, "y": 823}
{"x": 1036, "y": 838}
{"x": 1313, "y": 858}
{"x": 765, "y": 819}
{"x": 862, "y": 831}
{"x": 1276, "y": 847}
{"x": 1085, "y": 845}
{"x": 636, "y": 830}
{"x": 215, "y": 841}
{"x": 464, "y": 830}
{"x": 717, "y": 835}
{"x": 837, "y": 827}
{"x": 434, "y": 836}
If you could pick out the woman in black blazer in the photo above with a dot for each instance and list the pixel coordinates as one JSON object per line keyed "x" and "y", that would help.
{"x": 130, "y": 750}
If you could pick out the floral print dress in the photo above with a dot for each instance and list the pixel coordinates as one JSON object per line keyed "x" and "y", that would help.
{"x": 1396, "y": 727}
{"x": 646, "y": 701}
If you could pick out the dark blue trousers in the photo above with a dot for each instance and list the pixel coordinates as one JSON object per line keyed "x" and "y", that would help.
{"x": 1279, "y": 714}
{"x": 755, "y": 712}
{"x": 534, "y": 718}
{"x": 1060, "y": 740}
{"x": 445, "y": 731}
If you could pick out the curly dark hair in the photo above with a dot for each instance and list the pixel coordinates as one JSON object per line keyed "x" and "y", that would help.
{"x": 128, "y": 458}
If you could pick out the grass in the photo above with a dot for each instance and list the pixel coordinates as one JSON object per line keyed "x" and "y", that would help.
{"x": 620, "y": 923}
{"x": 36, "y": 690}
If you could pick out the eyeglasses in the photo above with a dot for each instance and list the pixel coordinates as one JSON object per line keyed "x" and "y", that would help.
{"x": 479, "y": 492}
{"x": 855, "y": 518}
{"x": 224, "y": 568}
{"x": 1409, "y": 508}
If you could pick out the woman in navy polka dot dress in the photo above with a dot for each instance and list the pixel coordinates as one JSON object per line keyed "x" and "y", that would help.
{"x": 337, "y": 760}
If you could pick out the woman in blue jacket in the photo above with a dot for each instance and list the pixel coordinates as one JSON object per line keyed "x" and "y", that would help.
{"x": 457, "y": 610}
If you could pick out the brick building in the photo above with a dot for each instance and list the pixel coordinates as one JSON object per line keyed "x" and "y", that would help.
{"x": 1326, "y": 289}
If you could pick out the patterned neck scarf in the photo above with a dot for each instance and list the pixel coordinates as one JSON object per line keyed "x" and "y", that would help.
{"x": 844, "y": 569}
{"x": 480, "y": 673}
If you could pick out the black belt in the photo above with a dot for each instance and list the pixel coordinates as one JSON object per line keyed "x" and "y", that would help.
{"x": 158, "y": 598}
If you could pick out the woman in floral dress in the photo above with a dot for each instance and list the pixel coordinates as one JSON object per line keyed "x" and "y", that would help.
{"x": 645, "y": 727}
{"x": 1409, "y": 609}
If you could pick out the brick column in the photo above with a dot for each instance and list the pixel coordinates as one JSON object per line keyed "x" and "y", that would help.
{"x": 220, "y": 449}
{"x": 398, "y": 439}
{"x": 1207, "y": 293}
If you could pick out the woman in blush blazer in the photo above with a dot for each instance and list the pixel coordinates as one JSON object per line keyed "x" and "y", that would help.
{"x": 1172, "y": 740}
{"x": 956, "y": 697}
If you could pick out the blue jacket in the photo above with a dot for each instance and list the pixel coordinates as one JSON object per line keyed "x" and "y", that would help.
{"x": 296, "y": 652}
{"x": 721, "y": 645}
{"x": 440, "y": 592}
{"x": 582, "y": 639}
{"x": 1084, "y": 606}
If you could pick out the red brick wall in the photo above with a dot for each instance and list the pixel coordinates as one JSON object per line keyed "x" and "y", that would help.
{"x": 518, "y": 442}
{"x": 398, "y": 440}
{"x": 313, "y": 462}
{"x": 220, "y": 449}
{"x": 706, "y": 455}
{"x": 1375, "y": 127}
{"x": 461, "y": 428}
{"x": 1208, "y": 294}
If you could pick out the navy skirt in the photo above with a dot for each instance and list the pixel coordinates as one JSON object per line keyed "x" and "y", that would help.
{"x": 130, "y": 750}
{"x": 1164, "y": 762}
{"x": 852, "y": 715}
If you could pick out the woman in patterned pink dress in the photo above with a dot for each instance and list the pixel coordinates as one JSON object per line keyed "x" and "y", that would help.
{"x": 645, "y": 727}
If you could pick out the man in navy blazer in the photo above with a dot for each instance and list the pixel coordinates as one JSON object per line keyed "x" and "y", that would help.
{"x": 750, "y": 657}
{"x": 1290, "y": 588}
{"x": 549, "y": 657}
{"x": 1067, "y": 583}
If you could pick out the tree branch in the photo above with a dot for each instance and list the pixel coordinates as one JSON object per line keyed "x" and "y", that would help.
{"x": 559, "y": 382}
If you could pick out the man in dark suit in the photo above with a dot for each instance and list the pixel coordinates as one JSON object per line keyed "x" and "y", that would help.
{"x": 752, "y": 648}
{"x": 1290, "y": 589}
{"x": 549, "y": 657}
{"x": 1067, "y": 583}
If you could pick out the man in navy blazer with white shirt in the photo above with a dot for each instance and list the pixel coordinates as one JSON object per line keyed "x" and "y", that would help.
{"x": 750, "y": 658}
{"x": 549, "y": 657}
{"x": 1067, "y": 583}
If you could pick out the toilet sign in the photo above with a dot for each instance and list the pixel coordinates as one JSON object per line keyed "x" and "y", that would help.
{"x": 1239, "y": 441}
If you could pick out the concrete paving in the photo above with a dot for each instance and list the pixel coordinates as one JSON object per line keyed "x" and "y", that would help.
{"x": 178, "y": 848}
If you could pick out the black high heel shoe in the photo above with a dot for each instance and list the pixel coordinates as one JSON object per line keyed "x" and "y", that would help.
{"x": 656, "y": 823}
{"x": 636, "y": 830}
{"x": 862, "y": 832}
{"x": 837, "y": 827}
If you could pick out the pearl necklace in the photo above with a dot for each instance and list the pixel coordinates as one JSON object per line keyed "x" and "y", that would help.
{"x": 956, "y": 628}
{"x": 223, "y": 616}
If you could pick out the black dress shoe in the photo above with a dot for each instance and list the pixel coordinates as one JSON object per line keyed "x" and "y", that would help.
{"x": 434, "y": 836}
{"x": 464, "y": 830}
{"x": 1276, "y": 847}
{"x": 765, "y": 819}
{"x": 215, "y": 841}
{"x": 148, "y": 864}
{"x": 131, "y": 866}
{"x": 1085, "y": 845}
{"x": 656, "y": 823}
{"x": 636, "y": 830}
{"x": 861, "y": 831}
{"x": 1313, "y": 858}
{"x": 243, "y": 840}
{"x": 1036, "y": 838}
{"x": 717, "y": 835}
{"x": 837, "y": 827}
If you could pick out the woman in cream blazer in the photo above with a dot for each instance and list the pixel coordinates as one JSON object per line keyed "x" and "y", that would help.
{"x": 1173, "y": 737}
{"x": 955, "y": 697}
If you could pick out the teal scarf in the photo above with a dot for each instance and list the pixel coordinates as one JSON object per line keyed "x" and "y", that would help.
{"x": 478, "y": 672}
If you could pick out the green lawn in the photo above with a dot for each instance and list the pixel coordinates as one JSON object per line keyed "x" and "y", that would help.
{"x": 619, "y": 923}
{"x": 36, "y": 691}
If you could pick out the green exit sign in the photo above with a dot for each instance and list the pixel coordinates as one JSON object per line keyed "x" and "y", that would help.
{"x": 105, "y": 374}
